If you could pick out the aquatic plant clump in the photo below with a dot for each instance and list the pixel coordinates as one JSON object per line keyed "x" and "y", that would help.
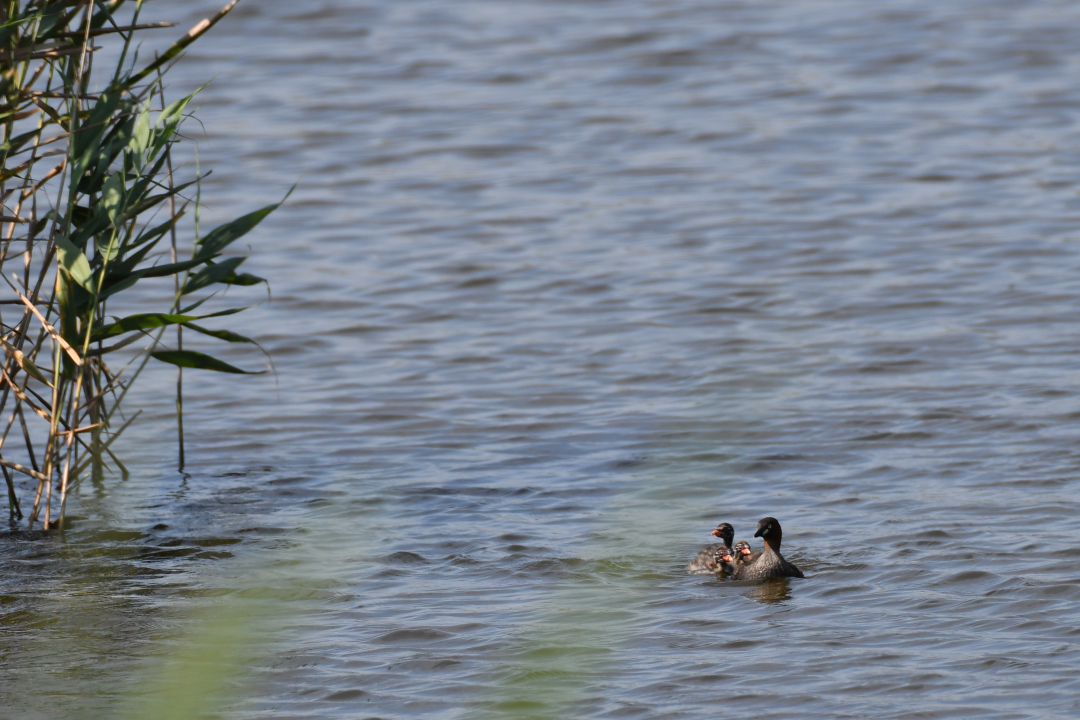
{"x": 90, "y": 215}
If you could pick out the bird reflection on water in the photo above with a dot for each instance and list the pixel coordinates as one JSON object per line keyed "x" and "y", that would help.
{"x": 771, "y": 592}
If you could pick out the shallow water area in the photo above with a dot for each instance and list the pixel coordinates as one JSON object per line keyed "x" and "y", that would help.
{"x": 562, "y": 286}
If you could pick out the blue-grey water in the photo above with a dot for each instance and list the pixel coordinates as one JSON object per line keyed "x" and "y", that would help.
{"x": 563, "y": 285}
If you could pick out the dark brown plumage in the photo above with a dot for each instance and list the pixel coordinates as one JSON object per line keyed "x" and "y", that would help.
{"x": 770, "y": 564}
{"x": 705, "y": 561}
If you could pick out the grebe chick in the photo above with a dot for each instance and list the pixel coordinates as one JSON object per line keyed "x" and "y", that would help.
{"x": 770, "y": 564}
{"x": 725, "y": 561}
{"x": 705, "y": 561}
{"x": 744, "y": 555}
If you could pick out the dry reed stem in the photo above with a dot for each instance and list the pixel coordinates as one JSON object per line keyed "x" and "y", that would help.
{"x": 48, "y": 176}
{"x": 84, "y": 428}
{"x": 57, "y": 338}
{"x": 20, "y": 358}
{"x": 191, "y": 36}
{"x": 10, "y": 424}
{"x": 20, "y": 394}
{"x": 27, "y": 84}
{"x": 94, "y": 32}
{"x": 41, "y": 477}
{"x": 13, "y": 497}
{"x": 73, "y": 419}
{"x": 22, "y": 55}
{"x": 26, "y": 435}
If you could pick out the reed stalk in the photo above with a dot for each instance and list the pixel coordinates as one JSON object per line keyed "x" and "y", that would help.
{"x": 88, "y": 194}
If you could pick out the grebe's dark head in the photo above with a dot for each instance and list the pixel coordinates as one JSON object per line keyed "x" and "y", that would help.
{"x": 768, "y": 529}
{"x": 725, "y": 532}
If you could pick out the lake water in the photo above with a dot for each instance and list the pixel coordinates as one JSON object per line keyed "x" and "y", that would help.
{"x": 563, "y": 285}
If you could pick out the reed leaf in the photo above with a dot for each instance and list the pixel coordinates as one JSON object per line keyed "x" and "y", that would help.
{"x": 226, "y": 335}
{"x": 141, "y": 136}
{"x": 214, "y": 272}
{"x": 221, "y": 237}
{"x": 149, "y": 321}
{"x": 74, "y": 263}
{"x": 201, "y": 361}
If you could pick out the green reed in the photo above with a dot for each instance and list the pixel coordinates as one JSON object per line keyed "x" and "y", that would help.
{"x": 89, "y": 209}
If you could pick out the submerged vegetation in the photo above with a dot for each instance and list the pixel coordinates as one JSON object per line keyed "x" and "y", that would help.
{"x": 92, "y": 221}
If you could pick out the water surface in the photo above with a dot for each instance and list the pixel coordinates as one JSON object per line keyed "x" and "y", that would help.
{"x": 563, "y": 285}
